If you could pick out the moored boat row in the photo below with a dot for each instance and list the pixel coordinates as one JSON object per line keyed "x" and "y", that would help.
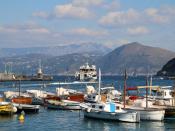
{"x": 106, "y": 103}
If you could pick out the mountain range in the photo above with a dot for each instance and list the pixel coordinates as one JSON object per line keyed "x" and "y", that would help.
{"x": 56, "y": 50}
{"x": 135, "y": 57}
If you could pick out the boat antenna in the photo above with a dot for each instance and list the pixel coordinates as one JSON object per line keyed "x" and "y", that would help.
{"x": 124, "y": 97}
{"x": 99, "y": 85}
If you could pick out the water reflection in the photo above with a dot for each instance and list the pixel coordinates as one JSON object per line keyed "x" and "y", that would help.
{"x": 129, "y": 126}
{"x": 99, "y": 125}
{"x": 156, "y": 126}
{"x": 7, "y": 118}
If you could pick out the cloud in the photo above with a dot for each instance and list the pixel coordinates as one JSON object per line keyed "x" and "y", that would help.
{"x": 67, "y": 11}
{"x": 27, "y": 35}
{"x": 162, "y": 15}
{"x": 119, "y": 18}
{"x": 6, "y": 29}
{"x": 87, "y": 2}
{"x": 81, "y": 9}
{"x": 26, "y": 28}
{"x": 155, "y": 15}
{"x": 37, "y": 30}
{"x": 140, "y": 30}
{"x": 88, "y": 32}
{"x": 71, "y": 11}
{"x": 33, "y": 35}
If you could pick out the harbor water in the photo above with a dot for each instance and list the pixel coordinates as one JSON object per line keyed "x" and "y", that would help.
{"x": 48, "y": 120}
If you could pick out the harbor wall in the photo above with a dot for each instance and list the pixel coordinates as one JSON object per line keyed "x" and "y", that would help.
{"x": 7, "y": 77}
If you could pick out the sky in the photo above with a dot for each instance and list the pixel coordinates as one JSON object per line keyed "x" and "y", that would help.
{"x": 35, "y": 23}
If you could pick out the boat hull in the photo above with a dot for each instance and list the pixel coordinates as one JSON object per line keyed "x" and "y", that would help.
{"x": 61, "y": 107}
{"x": 7, "y": 108}
{"x": 124, "y": 117}
{"x": 64, "y": 105}
{"x": 37, "y": 101}
{"x": 27, "y": 108}
{"x": 170, "y": 112}
{"x": 22, "y": 100}
{"x": 150, "y": 115}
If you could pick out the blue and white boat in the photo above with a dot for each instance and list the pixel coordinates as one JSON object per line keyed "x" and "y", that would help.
{"x": 108, "y": 110}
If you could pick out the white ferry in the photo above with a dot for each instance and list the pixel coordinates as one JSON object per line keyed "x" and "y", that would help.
{"x": 86, "y": 72}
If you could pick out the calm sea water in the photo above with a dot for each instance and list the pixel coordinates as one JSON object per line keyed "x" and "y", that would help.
{"x": 48, "y": 120}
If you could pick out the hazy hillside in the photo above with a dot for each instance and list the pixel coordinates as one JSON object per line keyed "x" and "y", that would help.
{"x": 136, "y": 57}
{"x": 56, "y": 51}
{"x": 168, "y": 69}
{"x": 58, "y": 65}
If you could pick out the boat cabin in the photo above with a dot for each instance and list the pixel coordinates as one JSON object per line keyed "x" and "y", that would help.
{"x": 165, "y": 93}
{"x": 107, "y": 107}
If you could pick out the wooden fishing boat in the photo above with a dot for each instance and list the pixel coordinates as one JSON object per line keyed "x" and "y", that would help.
{"x": 74, "y": 97}
{"x": 64, "y": 102}
{"x": 149, "y": 114}
{"x": 70, "y": 94}
{"x": 63, "y": 105}
{"x": 51, "y": 97}
{"x": 142, "y": 106}
{"x": 22, "y": 100}
{"x": 6, "y": 108}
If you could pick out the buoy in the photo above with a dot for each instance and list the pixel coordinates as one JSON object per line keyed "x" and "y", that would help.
{"x": 21, "y": 117}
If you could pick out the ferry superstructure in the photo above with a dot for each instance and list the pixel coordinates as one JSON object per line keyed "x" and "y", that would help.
{"x": 86, "y": 72}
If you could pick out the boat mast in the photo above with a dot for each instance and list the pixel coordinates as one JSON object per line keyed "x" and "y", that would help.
{"x": 173, "y": 103}
{"x": 124, "y": 97}
{"x": 146, "y": 92}
{"x": 99, "y": 85}
{"x": 19, "y": 87}
{"x": 5, "y": 69}
{"x": 150, "y": 84}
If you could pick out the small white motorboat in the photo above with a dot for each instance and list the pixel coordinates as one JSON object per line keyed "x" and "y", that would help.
{"x": 27, "y": 108}
{"x": 109, "y": 111}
